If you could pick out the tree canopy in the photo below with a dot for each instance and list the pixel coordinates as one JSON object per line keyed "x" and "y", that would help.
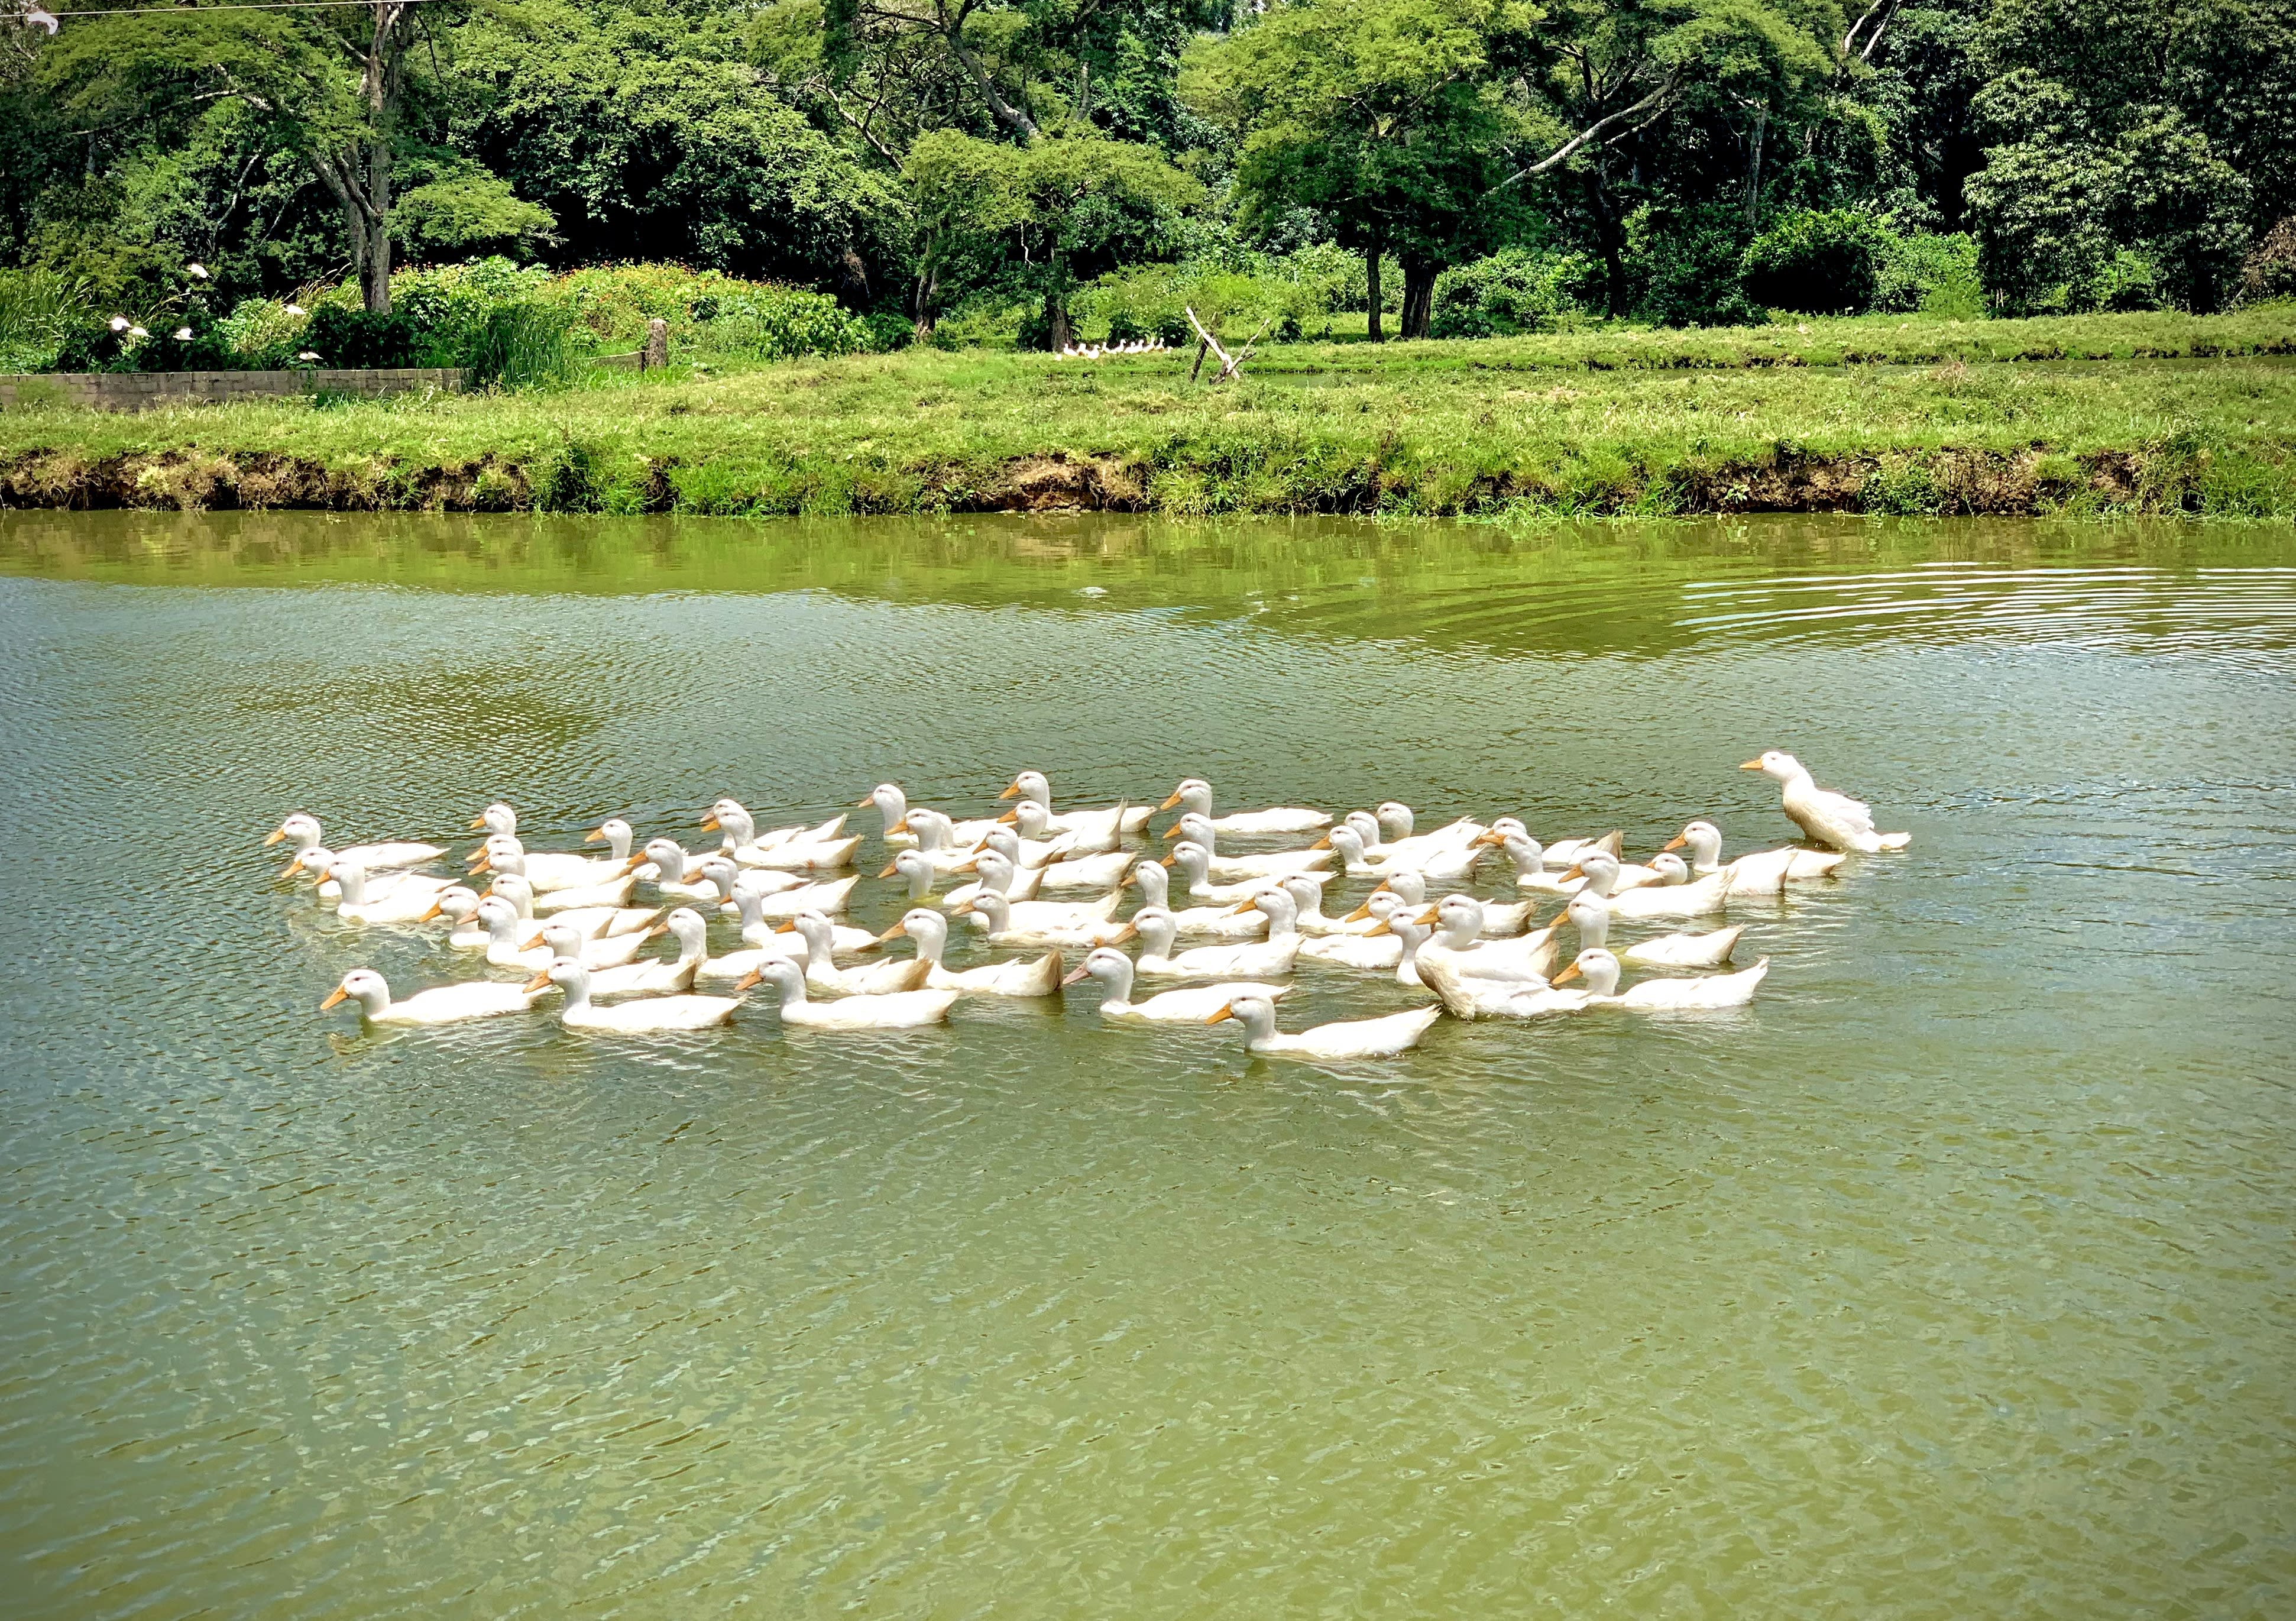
{"x": 1705, "y": 157}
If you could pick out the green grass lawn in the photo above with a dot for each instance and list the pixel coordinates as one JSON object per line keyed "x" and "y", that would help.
{"x": 1902, "y": 415}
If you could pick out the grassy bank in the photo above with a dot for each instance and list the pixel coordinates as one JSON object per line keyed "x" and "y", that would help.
{"x": 2108, "y": 413}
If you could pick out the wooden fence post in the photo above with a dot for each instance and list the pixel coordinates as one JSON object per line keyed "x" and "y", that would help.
{"x": 657, "y": 346}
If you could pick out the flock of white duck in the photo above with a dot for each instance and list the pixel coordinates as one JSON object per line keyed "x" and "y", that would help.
{"x": 577, "y": 927}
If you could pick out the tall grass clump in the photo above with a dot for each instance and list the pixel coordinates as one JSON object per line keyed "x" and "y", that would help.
{"x": 521, "y": 345}
{"x": 39, "y": 309}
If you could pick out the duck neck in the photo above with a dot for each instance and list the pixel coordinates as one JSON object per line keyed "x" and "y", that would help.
{"x": 892, "y": 805}
{"x": 920, "y": 881}
{"x": 577, "y": 991}
{"x": 1259, "y": 1022}
{"x": 1706, "y": 852}
{"x": 1602, "y": 978}
{"x": 351, "y": 881}
{"x": 1119, "y": 981}
{"x": 1155, "y": 884}
{"x": 1592, "y": 924}
{"x": 737, "y": 830}
{"x": 1460, "y": 932}
{"x": 1529, "y": 860}
{"x": 692, "y": 940}
{"x": 931, "y": 935}
{"x": 374, "y": 999}
{"x": 1156, "y": 937}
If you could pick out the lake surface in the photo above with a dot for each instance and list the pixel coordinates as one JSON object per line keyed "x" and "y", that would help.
{"x": 1952, "y": 1279}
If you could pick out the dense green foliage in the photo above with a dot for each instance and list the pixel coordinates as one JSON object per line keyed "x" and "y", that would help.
{"x": 1042, "y": 171}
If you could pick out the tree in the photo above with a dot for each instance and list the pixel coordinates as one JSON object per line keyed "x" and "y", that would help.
{"x": 2129, "y": 133}
{"x": 640, "y": 152}
{"x": 1384, "y": 116}
{"x": 1061, "y": 208}
{"x": 287, "y": 66}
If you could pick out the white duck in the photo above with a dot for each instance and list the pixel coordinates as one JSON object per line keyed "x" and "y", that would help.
{"x": 1761, "y": 872}
{"x": 1469, "y": 998}
{"x": 505, "y": 931}
{"x": 1414, "y": 931}
{"x": 936, "y": 841}
{"x": 548, "y": 871}
{"x": 1097, "y": 873}
{"x": 998, "y": 873}
{"x": 762, "y": 929}
{"x": 614, "y": 895}
{"x": 1527, "y": 856}
{"x": 1194, "y": 863}
{"x": 902, "y": 1010}
{"x": 1198, "y": 830}
{"x": 1035, "y": 977}
{"x": 1194, "y": 795}
{"x": 318, "y": 859}
{"x": 1398, "y": 845}
{"x": 1834, "y": 821}
{"x": 876, "y": 979}
{"x": 615, "y": 834}
{"x": 1600, "y": 969}
{"x": 1365, "y": 949}
{"x": 402, "y": 904}
{"x": 478, "y": 999}
{"x": 660, "y": 978}
{"x": 1563, "y": 852}
{"x": 1592, "y": 920}
{"x": 678, "y": 874}
{"x": 1033, "y": 840}
{"x": 1672, "y": 896}
{"x": 1189, "y": 1004}
{"x": 604, "y": 920}
{"x": 1244, "y": 959}
{"x": 1244, "y": 921}
{"x": 781, "y": 905}
{"x": 893, "y": 808}
{"x": 1459, "y": 941}
{"x": 1033, "y": 785}
{"x": 1347, "y": 843}
{"x": 1046, "y": 922}
{"x": 1349, "y": 1039}
{"x": 651, "y": 1016}
{"x": 459, "y": 906}
{"x": 305, "y": 832}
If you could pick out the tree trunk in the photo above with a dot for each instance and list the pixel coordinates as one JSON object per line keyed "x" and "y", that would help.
{"x": 1418, "y": 297}
{"x": 1754, "y": 163}
{"x": 1371, "y": 276}
{"x": 380, "y": 83}
{"x": 928, "y": 289}
{"x": 1610, "y": 238}
{"x": 1056, "y": 321}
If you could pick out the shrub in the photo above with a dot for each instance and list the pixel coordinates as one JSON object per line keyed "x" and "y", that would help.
{"x": 1689, "y": 261}
{"x": 1817, "y": 262}
{"x": 781, "y": 323}
{"x": 359, "y": 338}
{"x": 2269, "y": 271}
{"x": 520, "y": 343}
{"x": 1936, "y": 274}
{"x": 1512, "y": 291}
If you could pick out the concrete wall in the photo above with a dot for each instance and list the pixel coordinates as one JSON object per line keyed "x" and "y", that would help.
{"x": 136, "y": 391}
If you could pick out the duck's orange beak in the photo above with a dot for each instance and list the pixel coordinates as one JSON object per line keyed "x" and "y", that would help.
{"x": 1169, "y": 804}
{"x": 435, "y": 910}
{"x": 1322, "y": 844}
{"x": 1169, "y": 860}
{"x": 1250, "y": 903}
{"x": 1078, "y": 973}
{"x": 478, "y": 822}
{"x": 1382, "y": 928}
{"x": 1126, "y": 933}
{"x": 1012, "y": 793}
{"x": 900, "y": 827}
{"x": 1751, "y": 765}
{"x": 1009, "y": 818}
{"x": 1576, "y": 872}
{"x": 709, "y": 823}
{"x": 291, "y": 869}
{"x": 1358, "y": 915}
{"x": 1676, "y": 842}
{"x": 752, "y": 978}
{"x": 1556, "y": 922}
{"x": 274, "y": 837}
{"x": 897, "y": 932}
{"x": 1570, "y": 973}
{"x": 862, "y": 804}
{"x": 334, "y": 996}
{"x": 1226, "y": 1012}
{"x": 891, "y": 868}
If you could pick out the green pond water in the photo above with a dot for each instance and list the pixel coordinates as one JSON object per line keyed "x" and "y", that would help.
{"x": 1952, "y": 1279}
